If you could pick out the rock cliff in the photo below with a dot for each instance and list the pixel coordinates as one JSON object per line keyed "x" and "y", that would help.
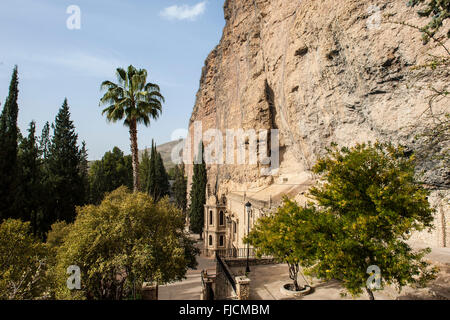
{"x": 320, "y": 71}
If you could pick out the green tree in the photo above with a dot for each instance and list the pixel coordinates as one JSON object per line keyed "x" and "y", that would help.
{"x": 64, "y": 162}
{"x": 84, "y": 172}
{"x": 29, "y": 197}
{"x": 8, "y": 149}
{"x": 135, "y": 101}
{"x": 158, "y": 181}
{"x": 180, "y": 187}
{"x": 126, "y": 240}
{"x": 44, "y": 217}
{"x": 111, "y": 172}
{"x": 371, "y": 203}
{"x": 152, "y": 187}
{"x": 144, "y": 170}
{"x": 289, "y": 235}
{"x": 57, "y": 234}
{"x": 45, "y": 142}
{"x": 162, "y": 178}
{"x": 23, "y": 263}
{"x": 172, "y": 173}
{"x": 198, "y": 195}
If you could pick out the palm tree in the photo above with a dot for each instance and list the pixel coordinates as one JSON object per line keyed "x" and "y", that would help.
{"x": 135, "y": 101}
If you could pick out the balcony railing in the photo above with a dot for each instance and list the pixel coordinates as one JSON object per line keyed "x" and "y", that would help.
{"x": 237, "y": 253}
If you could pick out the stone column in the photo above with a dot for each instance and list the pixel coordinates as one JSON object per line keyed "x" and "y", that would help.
{"x": 149, "y": 291}
{"x": 242, "y": 288}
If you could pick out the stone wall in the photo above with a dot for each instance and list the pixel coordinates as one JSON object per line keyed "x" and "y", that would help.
{"x": 320, "y": 72}
{"x": 440, "y": 235}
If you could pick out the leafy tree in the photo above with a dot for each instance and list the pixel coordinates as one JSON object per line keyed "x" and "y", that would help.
{"x": 8, "y": 149}
{"x": 23, "y": 263}
{"x": 289, "y": 235}
{"x": 371, "y": 203}
{"x": 29, "y": 197}
{"x": 55, "y": 238}
{"x": 57, "y": 234}
{"x": 198, "y": 195}
{"x": 124, "y": 241}
{"x": 135, "y": 101}
{"x": 111, "y": 172}
{"x": 64, "y": 162}
{"x": 180, "y": 187}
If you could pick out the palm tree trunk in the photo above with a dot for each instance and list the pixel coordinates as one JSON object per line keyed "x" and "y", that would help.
{"x": 134, "y": 154}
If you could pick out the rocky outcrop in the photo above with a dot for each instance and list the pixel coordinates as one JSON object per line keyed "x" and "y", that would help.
{"x": 320, "y": 71}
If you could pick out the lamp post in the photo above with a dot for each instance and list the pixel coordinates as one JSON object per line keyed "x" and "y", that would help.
{"x": 248, "y": 208}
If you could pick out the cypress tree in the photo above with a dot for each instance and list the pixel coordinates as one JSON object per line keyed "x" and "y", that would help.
{"x": 144, "y": 168}
{"x": 84, "y": 174}
{"x": 198, "y": 197}
{"x": 151, "y": 181}
{"x": 44, "y": 142}
{"x": 180, "y": 187}
{"x": 8, "y": 149}
{"x": 162, "y": 177}
{"x": 158, "y": 180}
{"x": 29, "y": 177}
{"x": 44, "y": 215}
{"x": 64, "y": 168}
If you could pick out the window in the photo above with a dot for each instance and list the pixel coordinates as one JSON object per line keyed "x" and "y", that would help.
{"x": 210, "y": 217}
{"x": 210, "y": 240}
{"x": 234, "y": 227}
{"x": 221, "y": 218}
{"x": 221, "y": 241}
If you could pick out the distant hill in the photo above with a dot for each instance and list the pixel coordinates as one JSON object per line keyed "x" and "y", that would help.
{"x": 165, "y": 150}
{"x": 166, "y": 153}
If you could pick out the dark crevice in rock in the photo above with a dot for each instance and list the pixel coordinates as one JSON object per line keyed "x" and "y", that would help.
{"x": 301, "y": 52}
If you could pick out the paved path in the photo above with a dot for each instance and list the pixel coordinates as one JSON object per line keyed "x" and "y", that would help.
{"x": 437, "y": 254}
{"x": 266, "y": 281}
{"x": 190, "y": 288}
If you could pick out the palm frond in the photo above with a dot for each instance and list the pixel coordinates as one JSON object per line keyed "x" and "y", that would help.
{"x": 121, "y": 76}
{"x": 132, "y": 98}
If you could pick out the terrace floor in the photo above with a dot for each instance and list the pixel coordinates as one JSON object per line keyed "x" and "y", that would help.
{"x": 266, "y": 281}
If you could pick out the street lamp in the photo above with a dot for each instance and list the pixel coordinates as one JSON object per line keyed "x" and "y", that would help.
{"x": 248, "y": 208}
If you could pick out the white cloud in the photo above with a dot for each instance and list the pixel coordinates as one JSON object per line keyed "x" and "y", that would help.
{"x": 77, "y": 63}
{"x": 184, "y": 12}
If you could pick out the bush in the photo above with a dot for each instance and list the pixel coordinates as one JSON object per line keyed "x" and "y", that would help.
{"x": 58, "y": 232}
{"x": 23, "y": 263}
{"x": 126, "y": 240}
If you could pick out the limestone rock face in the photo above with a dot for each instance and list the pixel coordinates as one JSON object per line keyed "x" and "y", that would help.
{"x": 320, "y": 71}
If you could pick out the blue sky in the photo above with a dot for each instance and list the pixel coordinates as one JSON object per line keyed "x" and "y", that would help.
{"x": 169, "y": 38}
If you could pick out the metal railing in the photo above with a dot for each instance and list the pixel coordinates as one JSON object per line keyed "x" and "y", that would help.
{"x": 238, "y": 253}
